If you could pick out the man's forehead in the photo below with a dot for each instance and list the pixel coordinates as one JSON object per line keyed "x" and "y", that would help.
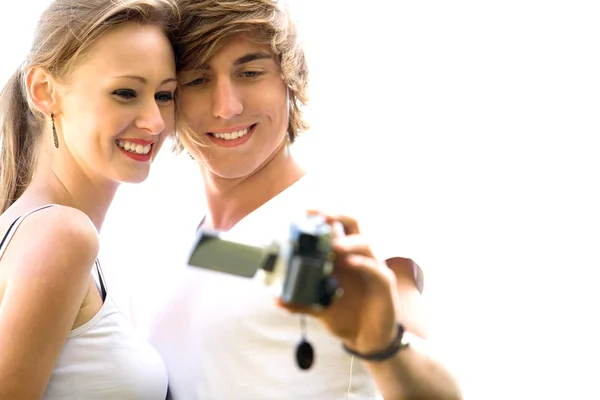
{"x": 238, "y": 54}
{"x": 243, "y": 42}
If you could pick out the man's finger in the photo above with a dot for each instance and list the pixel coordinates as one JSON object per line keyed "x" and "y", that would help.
{"x": 353, "y": 244}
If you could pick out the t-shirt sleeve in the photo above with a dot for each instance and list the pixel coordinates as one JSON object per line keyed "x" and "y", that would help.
{"x": 386, "y": 239}
{"x": 390, "y": 239}
{"x": 386, "y": 249}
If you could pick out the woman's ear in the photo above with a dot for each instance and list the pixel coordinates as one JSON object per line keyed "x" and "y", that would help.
{"x": 42, "y": 90}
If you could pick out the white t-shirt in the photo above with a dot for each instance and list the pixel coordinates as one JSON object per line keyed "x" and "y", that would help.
{"x": 222, "y": 337}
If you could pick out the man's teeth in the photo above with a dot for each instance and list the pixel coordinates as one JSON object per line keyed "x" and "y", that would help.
{"x": 133, "y": 147}
{"x": 232, "y": 135}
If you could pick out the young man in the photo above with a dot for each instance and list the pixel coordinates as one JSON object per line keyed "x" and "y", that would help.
{"x": 243, "y": 80}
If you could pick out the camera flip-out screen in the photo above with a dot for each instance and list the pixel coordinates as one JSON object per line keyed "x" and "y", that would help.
{"x": 212, "y": 251}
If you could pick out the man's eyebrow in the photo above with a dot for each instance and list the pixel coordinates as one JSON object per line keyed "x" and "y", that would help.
{"x": 259, "y": 55}
{"x": 143, "y": 80}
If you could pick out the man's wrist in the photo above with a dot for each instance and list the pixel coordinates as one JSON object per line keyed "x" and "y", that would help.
{"x": 397, "y": 344}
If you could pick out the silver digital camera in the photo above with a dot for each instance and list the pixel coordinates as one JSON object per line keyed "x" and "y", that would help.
{"x": 298, "y": 270}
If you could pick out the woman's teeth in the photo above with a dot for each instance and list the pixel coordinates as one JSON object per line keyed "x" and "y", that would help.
{"x": 134, "y": 147}
{"x": 231, "y": 135}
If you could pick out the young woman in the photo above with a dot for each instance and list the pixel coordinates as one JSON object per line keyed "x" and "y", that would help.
{"x": 88, "y": 110}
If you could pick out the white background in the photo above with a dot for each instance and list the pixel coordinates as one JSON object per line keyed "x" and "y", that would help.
{"x": 473, "y": 126}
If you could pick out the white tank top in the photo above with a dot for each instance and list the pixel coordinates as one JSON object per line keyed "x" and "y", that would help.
{"x": 103, "y": 359}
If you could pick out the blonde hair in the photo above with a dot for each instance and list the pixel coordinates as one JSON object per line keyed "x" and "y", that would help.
{"x": 207, "y": 24}
{"x": 65, "y": 32}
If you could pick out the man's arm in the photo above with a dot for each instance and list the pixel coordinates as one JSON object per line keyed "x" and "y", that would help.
{"x": 413, "y": 373}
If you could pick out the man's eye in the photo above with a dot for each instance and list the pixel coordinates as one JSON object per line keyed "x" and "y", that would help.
{"x": 251, "y": 74}
{"x": 196, "y": 82}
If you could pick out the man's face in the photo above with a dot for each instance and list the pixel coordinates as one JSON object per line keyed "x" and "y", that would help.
{"x": 237, "y": 106}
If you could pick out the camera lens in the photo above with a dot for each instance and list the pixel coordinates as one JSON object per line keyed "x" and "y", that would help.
{"x": 307, "y": 244}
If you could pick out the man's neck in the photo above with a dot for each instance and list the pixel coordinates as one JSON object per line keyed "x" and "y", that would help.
{"x": 229, "y": 201}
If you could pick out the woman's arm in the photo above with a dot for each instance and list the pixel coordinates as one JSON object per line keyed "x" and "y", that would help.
{"x": 48, "y": 266}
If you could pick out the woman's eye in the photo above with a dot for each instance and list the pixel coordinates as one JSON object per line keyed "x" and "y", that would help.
{"x": 126, "y": 94}
{"x": 164, "y": 97}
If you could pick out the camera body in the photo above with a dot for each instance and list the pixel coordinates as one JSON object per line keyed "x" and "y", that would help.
{"x": 298, "y": 270}
{"x": 308, "y": 279}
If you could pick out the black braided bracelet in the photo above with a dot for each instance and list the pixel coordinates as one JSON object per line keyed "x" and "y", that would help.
{"x": 383, "y": 355}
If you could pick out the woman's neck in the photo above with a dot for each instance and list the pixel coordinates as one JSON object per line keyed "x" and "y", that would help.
{"x": 72, "y": 187}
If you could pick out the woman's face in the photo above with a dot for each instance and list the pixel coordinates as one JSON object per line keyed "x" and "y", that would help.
{"x": 117, "y": 107}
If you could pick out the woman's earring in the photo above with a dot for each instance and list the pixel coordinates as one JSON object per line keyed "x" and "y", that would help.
{"x": 54, "y": 131}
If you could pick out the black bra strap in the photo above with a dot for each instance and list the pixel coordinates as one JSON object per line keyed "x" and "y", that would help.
{"x": 101, "y": 279}
{"x": 97, "y": 263}
{"x": 8, "y": 233}
{"x": 15, "y": 224}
